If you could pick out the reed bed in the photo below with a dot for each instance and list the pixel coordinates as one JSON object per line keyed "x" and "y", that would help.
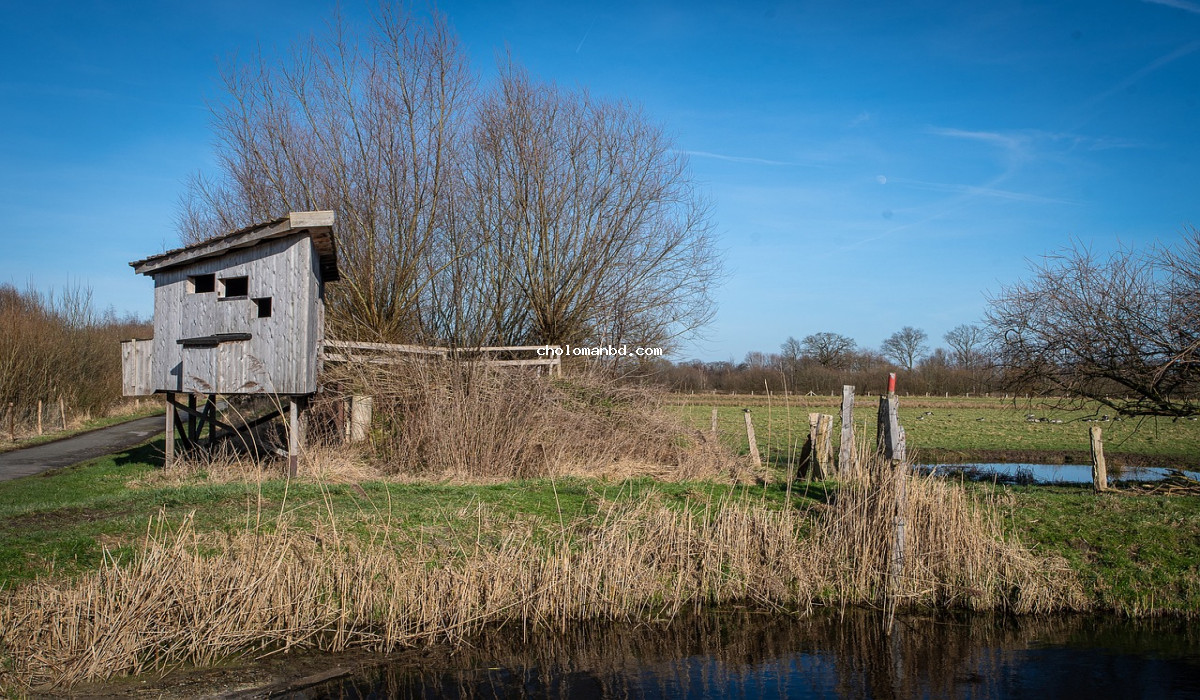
{"x": 465, "y": 420}
{"x": 188, "y": 597}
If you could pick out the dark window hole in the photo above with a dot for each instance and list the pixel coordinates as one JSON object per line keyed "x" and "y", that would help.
{"x": 264, "y": 307}
{"x": 202, "y": 284}
{"x": 236, "y": 286}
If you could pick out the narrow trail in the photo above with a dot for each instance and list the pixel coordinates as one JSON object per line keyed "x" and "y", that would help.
{"x": 73, "y": 450}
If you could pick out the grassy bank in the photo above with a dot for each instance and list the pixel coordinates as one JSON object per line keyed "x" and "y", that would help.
{"x": 361, "y": 557}
{"x": 955, "y": 429}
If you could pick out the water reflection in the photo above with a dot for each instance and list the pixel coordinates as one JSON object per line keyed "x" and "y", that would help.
{"x": 1054, "y": 473}
{"x": 745, "y": 655}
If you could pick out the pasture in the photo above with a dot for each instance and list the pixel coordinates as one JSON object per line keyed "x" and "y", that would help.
{"x": 954, "y": 429}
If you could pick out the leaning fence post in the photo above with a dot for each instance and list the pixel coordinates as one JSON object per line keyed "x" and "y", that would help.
{"x": 823, "y": 445}
{"x": 750, "y": 438}
{"x": 846, "y": 451}
{"x": 1099, "y": 469}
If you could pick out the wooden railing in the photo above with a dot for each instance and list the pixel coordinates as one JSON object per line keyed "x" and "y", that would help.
{"x": 387, "y": 353}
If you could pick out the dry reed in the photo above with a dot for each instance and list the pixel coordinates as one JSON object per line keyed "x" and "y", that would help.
{"x": 469, "y": 421}
{"x": 56, "y": 346}
{"x": 192, "y": 598}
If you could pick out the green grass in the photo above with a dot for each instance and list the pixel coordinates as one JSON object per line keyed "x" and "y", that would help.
{"x": 1134, "y": 553}
{"x": 955, "y": 425}
{"x": 62, "y": 521}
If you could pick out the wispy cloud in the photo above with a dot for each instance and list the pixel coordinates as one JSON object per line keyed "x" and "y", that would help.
{"x": 980, "y": 191}
{"x": 1153, "y": 65}
{"x": 734, "y": 159}
{"x": 1177, "y": 4}
{"x": 1008, "y": 141}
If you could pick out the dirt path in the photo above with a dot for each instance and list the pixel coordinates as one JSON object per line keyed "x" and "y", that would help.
{"x": 73, "y": 450}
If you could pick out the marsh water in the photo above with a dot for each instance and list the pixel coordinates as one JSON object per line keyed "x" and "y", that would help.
{"x": 1055, "y": 473}
{"x": 739, "y": 654}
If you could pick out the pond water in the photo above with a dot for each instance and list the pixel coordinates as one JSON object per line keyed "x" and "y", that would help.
{"x": 745, "y": 655}
{"x": 1053, "y": 473}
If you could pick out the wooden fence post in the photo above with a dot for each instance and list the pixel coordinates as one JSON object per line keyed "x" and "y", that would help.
{"x": 39, "y": 416}
{"x": 12, "y": 423}
{"x": 821, "y": 440}
{"x": 62, "y": 411}
{"x": 714, "y": 421}
{"x": 751, "y": 439}
{"x": 1099, "y": 468}
{"x": 846, "y": 451}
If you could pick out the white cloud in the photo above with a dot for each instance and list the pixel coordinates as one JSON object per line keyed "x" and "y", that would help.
{"x": 1177, "y": 4}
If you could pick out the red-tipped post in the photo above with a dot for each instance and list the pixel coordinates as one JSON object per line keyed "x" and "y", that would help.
{"x": 891, "y": 382}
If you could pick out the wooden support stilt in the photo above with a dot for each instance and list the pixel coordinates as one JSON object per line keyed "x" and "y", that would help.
{"x": 192, "y": 425}
{"x": 293, "y": 437}
{"x": 169, "y": 456}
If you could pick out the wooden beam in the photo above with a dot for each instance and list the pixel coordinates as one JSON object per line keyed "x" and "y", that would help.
{"x": 293, "y": 437}
{"x": 169, "y": 457}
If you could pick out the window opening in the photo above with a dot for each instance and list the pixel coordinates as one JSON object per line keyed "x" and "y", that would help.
{"x": 202, "y": 284}
{"x": 264, "y": 307}
{"x": 236, "y": 287}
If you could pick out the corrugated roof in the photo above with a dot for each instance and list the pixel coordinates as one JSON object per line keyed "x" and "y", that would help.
{"x": 318, "y": 224}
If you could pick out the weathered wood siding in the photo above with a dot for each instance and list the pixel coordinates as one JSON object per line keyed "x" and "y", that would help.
{"x": 136, "y": 367}
{"x": 281, "y": 355}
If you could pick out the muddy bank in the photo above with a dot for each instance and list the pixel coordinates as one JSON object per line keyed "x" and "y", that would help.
{"x": 1119, "y": 459}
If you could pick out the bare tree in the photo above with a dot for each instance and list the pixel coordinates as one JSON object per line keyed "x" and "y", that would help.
{"x": 966, "y": 341}
{"x": 828, "y": 349}
{"x": 519, "y": 213}
{"x": 905, "y": 346}
{"x": 1123, "y": 330}
{"x": 592, "y": 229}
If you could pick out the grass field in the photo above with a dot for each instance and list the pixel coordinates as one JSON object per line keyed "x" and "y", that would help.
{"x": 956, "y": 429}
{"x": 1134, "y": 552}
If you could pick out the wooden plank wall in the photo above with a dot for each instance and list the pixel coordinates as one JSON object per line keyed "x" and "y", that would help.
{"x": 136, "y": 362}
{"x": 282, "y": 354}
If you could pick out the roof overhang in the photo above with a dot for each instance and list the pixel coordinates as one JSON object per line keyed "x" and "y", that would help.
{"x": 317, "y": 224}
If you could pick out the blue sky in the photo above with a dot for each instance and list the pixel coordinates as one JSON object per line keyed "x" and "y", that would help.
{"x": 872, "y": 165}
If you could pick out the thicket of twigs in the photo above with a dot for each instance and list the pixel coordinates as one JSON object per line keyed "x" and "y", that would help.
{"x": 187, "y": 597}
{"x": 56, "y": 345}
{"x": 468, "y": 420}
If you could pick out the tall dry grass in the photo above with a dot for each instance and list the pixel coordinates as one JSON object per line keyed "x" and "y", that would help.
{"x": 467, "y": 420}
{"x": 56, "y": 345}
{"x": 192, "y": 598}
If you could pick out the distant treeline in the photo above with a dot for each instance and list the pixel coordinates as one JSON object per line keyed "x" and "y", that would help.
{"x": 56, "y": 345}
{"x": 824, "y": 362}
{"x": 934, "y": 375}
